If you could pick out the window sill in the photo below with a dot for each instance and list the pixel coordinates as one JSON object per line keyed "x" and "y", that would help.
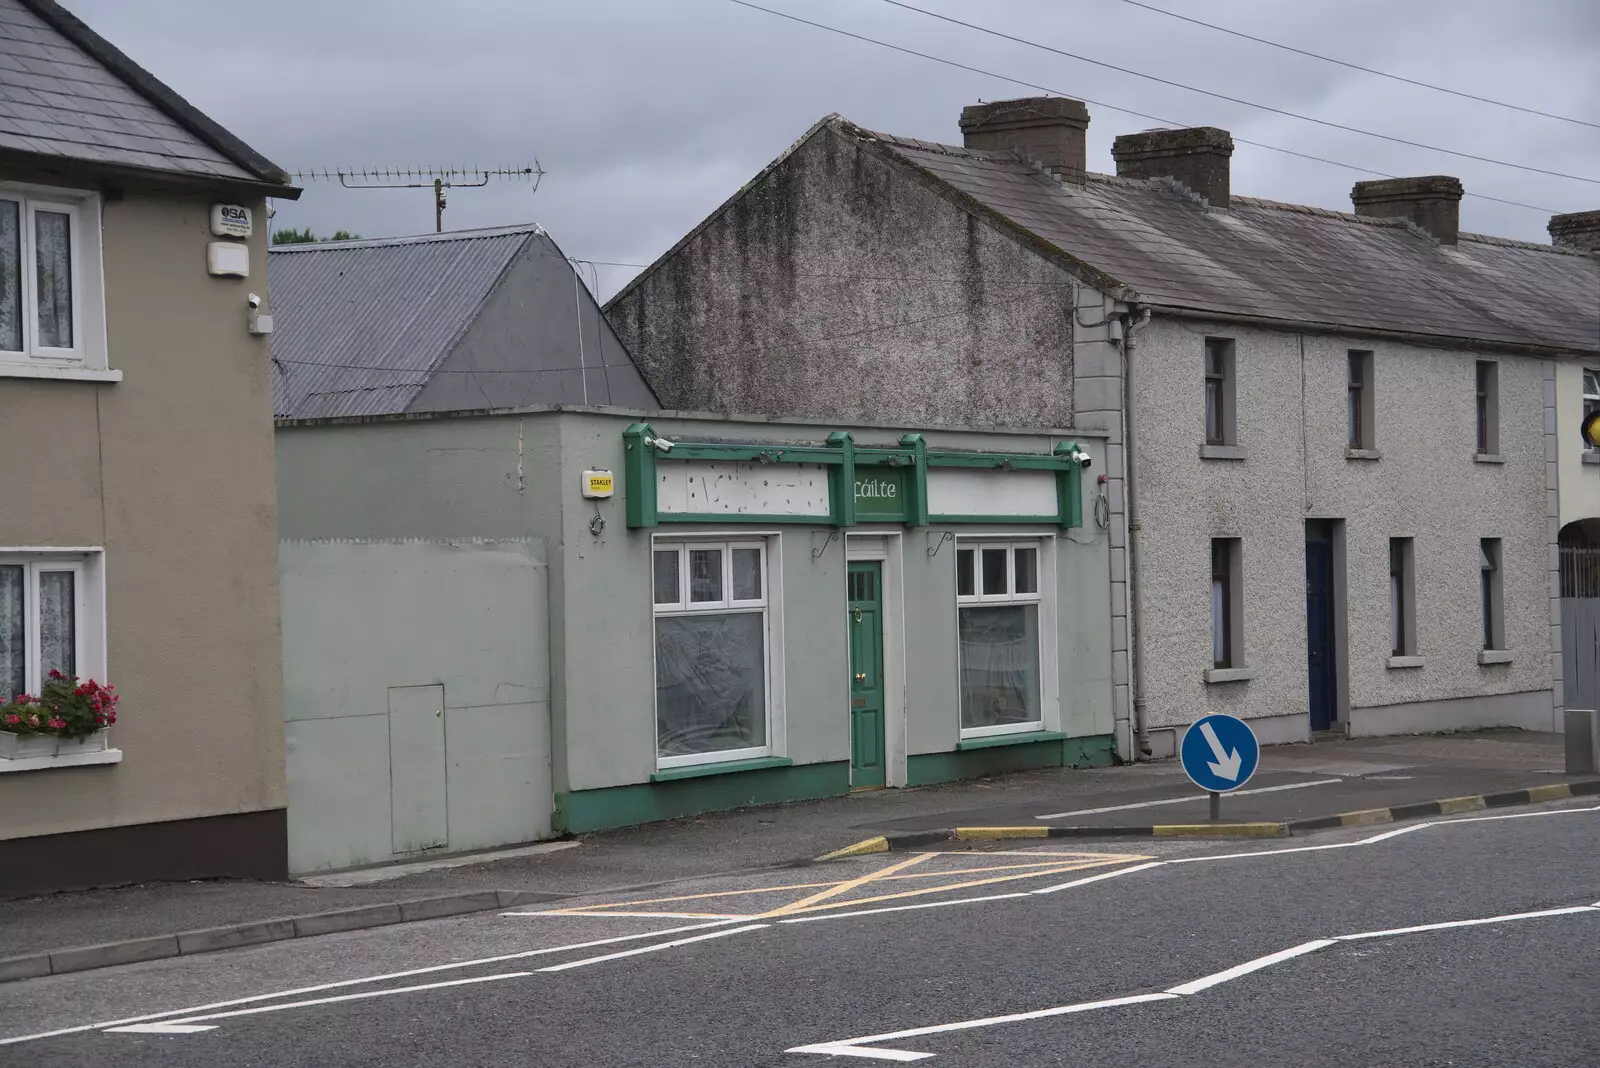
{"x": 1491, "y": 458}
{"x": 726, "y": 767}
{"x": 989, "y": 741}
{"x": 1591, "y": 457}
{"x": 1405, "y": 662}
{"x": 1362, "y": 454}
{"x": 1224, "y": 452}
{"x": 64, "y": 760}
{"x": 1216, "y": 675}
{"x": 58, "y": 373}
{"x": 1494, "y": 656}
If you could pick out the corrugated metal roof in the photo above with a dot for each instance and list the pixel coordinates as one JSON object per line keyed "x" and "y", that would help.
{"x": 1281, "y": 261}
{"x": 360, "y": 326}
{"x": 58, "y": 99}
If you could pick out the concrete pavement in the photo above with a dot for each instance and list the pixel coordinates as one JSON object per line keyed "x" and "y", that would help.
{"x": 969, "y": 976}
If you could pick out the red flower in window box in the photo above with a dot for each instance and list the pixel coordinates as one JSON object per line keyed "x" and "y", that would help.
{"x": 65, "y": 708}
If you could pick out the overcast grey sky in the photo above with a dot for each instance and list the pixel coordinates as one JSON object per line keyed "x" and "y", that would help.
{"x": 647, "y": 114}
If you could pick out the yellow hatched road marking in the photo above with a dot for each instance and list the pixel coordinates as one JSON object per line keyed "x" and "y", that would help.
{"x": 960, "y": 886}
{"x": 847, "y": 886}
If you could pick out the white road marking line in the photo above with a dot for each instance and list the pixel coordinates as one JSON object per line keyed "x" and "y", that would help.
{"x": 165, "y": 1029}
{"x": 652, "y": 949}
{"x": 1097, "y": 878}
{"x": 966, "y": 1025}
{"x": 1467, "y": 923}
{"x": 105, "y": 1025}
{"x": 1227, "y": 975}
{"x": 861, "y": 1047}
{"x": 723, "y": 918}
{"x": 1186, "y": 798}
{"x": 170, "y": 1026}
{"x": 903, "y": 908}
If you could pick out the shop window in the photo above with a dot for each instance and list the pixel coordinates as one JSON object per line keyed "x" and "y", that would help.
{"x": 711, "y": 633}
{"x": 998, "y": 599}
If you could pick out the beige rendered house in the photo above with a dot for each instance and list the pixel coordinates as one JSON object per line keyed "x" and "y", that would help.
{"x": 138, "y": 523}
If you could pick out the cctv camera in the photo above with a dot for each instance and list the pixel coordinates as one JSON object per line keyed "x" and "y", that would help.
{"x": 255, "y": 300}
{"x": 661, "y": 443}
{"x": 1083, "y": 459}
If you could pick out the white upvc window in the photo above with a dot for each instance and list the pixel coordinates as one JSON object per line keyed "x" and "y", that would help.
{"x": 52, "y": 305}
{"x": 713, "y": 651}
{"x": 1004, "y": 659}
{"x": 51, "y": 618}
{"x": 1591, "y": 397}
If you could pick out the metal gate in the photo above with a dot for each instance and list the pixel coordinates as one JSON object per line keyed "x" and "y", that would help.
{"x": 1580, "y": 625}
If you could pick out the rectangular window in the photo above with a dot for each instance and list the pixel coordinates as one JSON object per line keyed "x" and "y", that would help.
{"x": 1493, "y": 594}
{"x": 1591, "y": 397}
{"x": 1221, "y": 427}
{"x": 1402, "y": 598}
{"x": 1488, "y": 407}
{"x": 711, "y": 651}
{"x": 1227, "y": 616}
{"x": 998, "y": 601}
{"x": 43, "y": 621}
{"x": 1359, "y": 401}
{"x": 41, "y": 278}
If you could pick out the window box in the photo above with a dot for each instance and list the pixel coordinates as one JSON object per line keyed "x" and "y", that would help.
{"x": 32, "y": 746}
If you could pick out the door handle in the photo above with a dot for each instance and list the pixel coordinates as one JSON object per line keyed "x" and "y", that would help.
{"x": 861, "y": 676}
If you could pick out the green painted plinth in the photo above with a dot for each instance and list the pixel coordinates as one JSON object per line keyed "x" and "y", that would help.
{"x": 578, "y": 811}
{"x": 998, "y": 758}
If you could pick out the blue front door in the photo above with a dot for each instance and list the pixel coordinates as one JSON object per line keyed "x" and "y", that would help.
{"x": 1319, "y": 630}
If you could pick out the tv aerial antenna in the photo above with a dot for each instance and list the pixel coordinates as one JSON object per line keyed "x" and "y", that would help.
{"x": 439, "y": 179}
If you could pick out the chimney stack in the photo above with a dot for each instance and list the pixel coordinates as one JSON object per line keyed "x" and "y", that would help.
{"x": 1579, "y": 231}
{"x": 1195, "y": 158}
{"x": 1046, "y": 129}
{"x": 1432, "y": 202}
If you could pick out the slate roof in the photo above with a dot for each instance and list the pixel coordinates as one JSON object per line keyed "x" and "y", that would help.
{"x": 1278, "y": 261}
{"x": 67, "y": 92}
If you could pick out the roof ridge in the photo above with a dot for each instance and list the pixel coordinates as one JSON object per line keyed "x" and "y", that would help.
{"x": 530, "y": 229}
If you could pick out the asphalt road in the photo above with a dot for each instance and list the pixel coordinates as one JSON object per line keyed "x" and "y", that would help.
{"x": 830, "y": 956}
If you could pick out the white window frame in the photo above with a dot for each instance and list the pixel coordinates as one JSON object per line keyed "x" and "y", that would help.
{"x": 1049, "y": 669}
{"x": 765, "y": 605}
{"x": 1590, "y": 398}
{"x": 86, "y": 358}
{"x": 88, "y": 585}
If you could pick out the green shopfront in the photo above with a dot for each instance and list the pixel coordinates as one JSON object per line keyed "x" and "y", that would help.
{"x": 501, "y": 626}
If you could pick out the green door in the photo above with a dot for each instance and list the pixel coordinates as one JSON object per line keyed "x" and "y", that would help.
{"x": 865, "y": 585}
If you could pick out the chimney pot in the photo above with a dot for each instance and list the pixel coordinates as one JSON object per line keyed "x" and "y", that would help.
{"x": 1432, "y": 202}
{"x": 1050, "y": 130}
{"x": 1196, "y": 158}
{"x": 1579, "y": 230}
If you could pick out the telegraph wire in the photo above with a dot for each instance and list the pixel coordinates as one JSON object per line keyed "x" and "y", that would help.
{"x": 1366, "y": 70}
{"x": 1240, "y": 100}
{"x": 1101, "y": 104}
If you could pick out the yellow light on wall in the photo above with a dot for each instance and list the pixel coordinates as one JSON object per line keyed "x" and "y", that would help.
{"x": 1591, "y": 429}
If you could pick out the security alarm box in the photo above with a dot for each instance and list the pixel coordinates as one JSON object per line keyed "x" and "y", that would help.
{"x": 598, "y": 484}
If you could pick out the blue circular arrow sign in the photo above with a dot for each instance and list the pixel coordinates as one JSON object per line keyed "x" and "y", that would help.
{"x": 1220, "y": 753}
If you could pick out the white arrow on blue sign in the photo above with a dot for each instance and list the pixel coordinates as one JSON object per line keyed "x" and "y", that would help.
{"x": 1220, "y": 753}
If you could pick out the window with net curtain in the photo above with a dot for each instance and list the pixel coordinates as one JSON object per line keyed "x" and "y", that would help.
{"x": 997, "y": 605}
{"x": 710, "y": 600}
{"x": 39, "y": 625}
{"x": 37, "y": 282}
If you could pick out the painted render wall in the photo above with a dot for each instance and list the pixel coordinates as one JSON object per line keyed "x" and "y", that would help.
{"x": 840, "y": 287}
{"x": 1427, "y": 485}
{"x": 514, "y": 475}
{"x": 1580, "y": 480}
{"x": 170, "y": 470}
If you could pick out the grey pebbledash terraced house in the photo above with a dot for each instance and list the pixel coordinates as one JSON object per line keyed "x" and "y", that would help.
{"x": 138, "y": 537}
{"x": 1332, "y": 494}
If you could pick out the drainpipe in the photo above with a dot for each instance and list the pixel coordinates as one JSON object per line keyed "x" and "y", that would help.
{"x": 1135, "y": 534}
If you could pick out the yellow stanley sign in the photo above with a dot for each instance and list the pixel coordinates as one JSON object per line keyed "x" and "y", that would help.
{"x": 1591, "y": 429}
{"x": 598, "y": 484}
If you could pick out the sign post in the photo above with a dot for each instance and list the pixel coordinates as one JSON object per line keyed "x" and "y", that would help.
{"x": 1219, "y": 754}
